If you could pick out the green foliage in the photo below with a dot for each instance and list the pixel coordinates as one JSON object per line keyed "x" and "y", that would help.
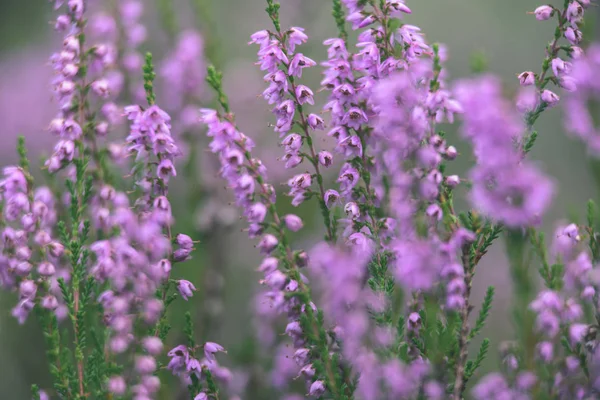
{"x": 434, "y": 85}
{"x": 530, "y": 141}
{"x": 340, "y": 18}
{"x": 149, "y": 76}
{"x": 189, "y": 330}
{"x": 479, "y": 62}
{"x": 206, "y": 22}
{"x": 22, "y": 152}
{"x": 592, "y": 216}
{"x": 215, "y": 80}
{"x": 551, "y": 274}
{"x": 472, "y": 366}
{"x": 484, "y": 313}
{"x": 273, "y": 12}
{"x": 168, "y": 19}
{"x": 35, "y": 392}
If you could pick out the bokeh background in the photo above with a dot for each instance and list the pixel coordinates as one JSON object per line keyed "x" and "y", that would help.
{"x": 497, "y": 31}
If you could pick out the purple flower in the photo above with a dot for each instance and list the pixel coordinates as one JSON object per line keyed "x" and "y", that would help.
{"x": 304, "y": 95}
{"x": 331, "y": 197}
{"x": 577, "y": 332}
{"x": 117, "y": 385}
{"x": 186, "y": 288}
{"x": 325, "y": 158}
{"x": 153, "y": 345}
{"x": 296, "y": 36}
{"x": 517, "y": 195}
{"x": 543, "y": 13}
{"x": 526, "y": 78}
{"x": 145, "y": 364}
{"x": 293, "y": 222}
{"x": 299, "y": 62}
{"x": 210, "y": 348}
{"x": 165, "y": 170}
{"x": 268, "y": 243}
{"x": 317, "y": 388}
{"x": 184, "y": 241}
{"x": 315, "y": 122}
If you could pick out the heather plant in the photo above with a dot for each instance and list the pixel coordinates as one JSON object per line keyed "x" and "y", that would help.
{"x": 379, "y": 304}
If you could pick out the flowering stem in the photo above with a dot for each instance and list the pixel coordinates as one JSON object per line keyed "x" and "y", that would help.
{"x": 340, "y": 19}
{"x": 551, "y": 52}
{"x": 312, "y": 322}
{"x": 331, "y": 236}
{"x": 463, "y": 338}
{"x": 78, "y": 192}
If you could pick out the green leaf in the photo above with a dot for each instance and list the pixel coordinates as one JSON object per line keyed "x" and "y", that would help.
{"x": 149, "y": 76}
{"x": 484, "y": 313}
{"x": 481, "y": 354}
{"x": 340, "y": 19}
{"x": 189, "y": 330}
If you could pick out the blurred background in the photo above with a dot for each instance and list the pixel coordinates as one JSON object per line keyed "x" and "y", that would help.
{"x": 497, "y": 31}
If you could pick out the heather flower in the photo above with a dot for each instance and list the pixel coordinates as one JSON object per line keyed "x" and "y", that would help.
{"x": 186, "y": 288}
{"x": 526, "y": 78}
{"x": 183, "y": 70}
{"x": 573, "y": 35}
{"x": 331, "y": 197}
{"x": 517, "y": 195}
{"x": 117, "y": 385}
{"x": 184, "y": 241}
{"x": 325, "y": 158}
{"x": 153, "y": 345}
{"x": 293, "y": 222}
{"x": 417, "y": 265}
{"x": 145, "y": 364}
{"x": 549, "y": 97}
{"x": 317, "y": 388}
{"x": 211, "y": 348}
{"x": 543, "y": 13}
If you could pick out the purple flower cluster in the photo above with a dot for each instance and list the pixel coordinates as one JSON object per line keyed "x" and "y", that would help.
{"x": 183, "y": 72}
{"x": 81, "y": 69}
{"x": 287, "y": 286}
{"x": 348, "y": 304}
{"x": 184, "y": 364}
{"x": 579, "y": 120}
{"x": 505, "y": 186}
{"x": 27, "y": 235}
{"x": 534, "y": 101}
{"x": 134, "y": 33}
{"x": 150, "y": 135}
{"x": 278, "y": 58}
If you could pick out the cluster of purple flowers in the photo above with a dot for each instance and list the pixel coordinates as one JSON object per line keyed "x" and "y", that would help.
{"x": 183, "y": 72}
{"x": 382, "y": 311}
{"x": 29, "y": 217}
{"x": 150, "y": 135}
{"x": 579, "y": 119}
{"x": 287, "y": 286}
{"x": 130, "y": 257}
{"x": 121, "y": 33}
{"x": 278, "y": 58}
{"x": 505, "y": 186}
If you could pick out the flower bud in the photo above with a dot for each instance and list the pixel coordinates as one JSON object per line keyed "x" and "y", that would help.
{"x": 526, "y": 78}
{"x": 550, "y": 97}
{"x": 544, "y": 13}
{"x": 293, "y": 222}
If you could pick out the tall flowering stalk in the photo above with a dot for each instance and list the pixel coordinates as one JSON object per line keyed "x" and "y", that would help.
{"x": 289, "y": 292}
{"x": 278, "y": 58}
